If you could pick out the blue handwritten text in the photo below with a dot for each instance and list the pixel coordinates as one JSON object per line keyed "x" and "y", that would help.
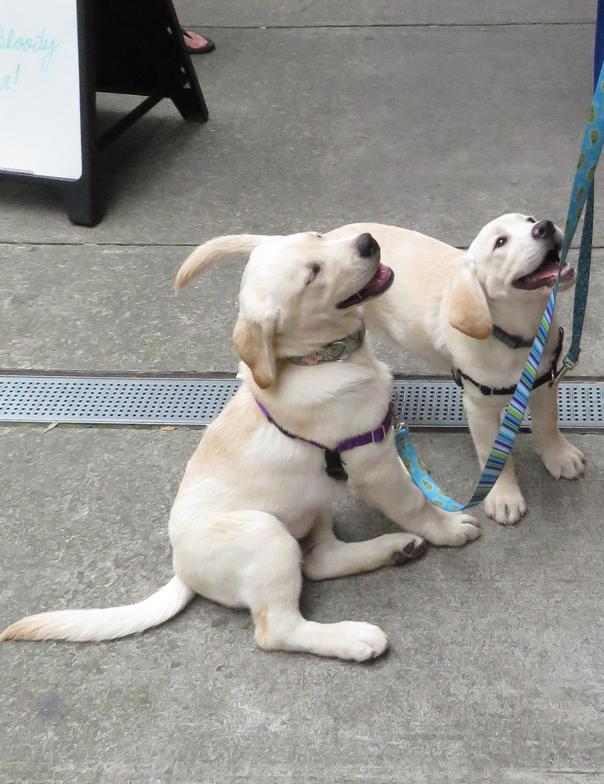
{"x": 36, "y": 44}
{"x": 10, "y": 80}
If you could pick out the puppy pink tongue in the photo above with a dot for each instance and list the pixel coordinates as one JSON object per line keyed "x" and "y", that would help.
{"x": 546, "y": 276}
{"x": 381, "y": 276}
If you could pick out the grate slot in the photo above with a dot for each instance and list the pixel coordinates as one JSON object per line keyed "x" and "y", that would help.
{"x": 198, "y": 401}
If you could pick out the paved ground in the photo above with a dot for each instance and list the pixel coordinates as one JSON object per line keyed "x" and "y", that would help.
{"x": 438, "y": 116}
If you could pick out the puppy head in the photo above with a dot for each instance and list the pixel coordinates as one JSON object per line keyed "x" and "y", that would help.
{"x": 302, "y": 291}
{"x": 514, "y": 258}
{"x": 297, "y": 293}
{"x": 516, "y": 254}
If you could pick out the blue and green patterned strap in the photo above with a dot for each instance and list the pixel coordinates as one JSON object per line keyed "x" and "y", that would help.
{"x": 513, "y": 416}
{"x": 420, "y": 474}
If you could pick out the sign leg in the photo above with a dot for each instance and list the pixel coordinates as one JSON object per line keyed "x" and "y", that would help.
{"x": 82, "y": 201}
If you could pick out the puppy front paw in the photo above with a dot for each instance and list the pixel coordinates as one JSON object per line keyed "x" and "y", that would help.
{"x": 405, "y": 547}
{"x": 505, "y": 505}
{"x": 563, "y": 460}
{"x": 355, "y": 641}
{"x": 451, "y": 529}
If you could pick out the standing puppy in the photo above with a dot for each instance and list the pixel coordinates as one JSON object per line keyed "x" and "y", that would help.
{"x": 477, "y": 312}
{"x": 312, "y": 417}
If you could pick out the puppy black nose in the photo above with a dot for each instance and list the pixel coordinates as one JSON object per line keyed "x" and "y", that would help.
{"x": 367, "y": 246}
{"x": 543, "y": 230}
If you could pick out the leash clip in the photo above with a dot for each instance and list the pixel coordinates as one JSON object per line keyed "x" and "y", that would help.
{"x": 397, "y": 422}
{"x": 567, "y": 364}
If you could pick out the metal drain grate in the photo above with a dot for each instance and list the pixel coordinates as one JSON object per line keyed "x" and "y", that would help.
{"x": 198, "y": 401}
{"x": 123, "y": 401}
{"x": 429, "y": 403}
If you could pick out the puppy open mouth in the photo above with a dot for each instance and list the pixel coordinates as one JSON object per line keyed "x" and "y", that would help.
{"x": 379, "y": 283}
{"x": 545, "y": 274}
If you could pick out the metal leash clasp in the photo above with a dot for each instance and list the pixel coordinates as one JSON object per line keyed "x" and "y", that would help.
{"x": 398, "y": 423}
{"x": 567, "y": 364}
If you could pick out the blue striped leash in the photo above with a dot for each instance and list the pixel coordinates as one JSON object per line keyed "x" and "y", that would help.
{"x": 582, "y": 193}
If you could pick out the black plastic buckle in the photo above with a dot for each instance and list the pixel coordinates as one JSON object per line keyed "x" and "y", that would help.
{"x": 334, "y": 465}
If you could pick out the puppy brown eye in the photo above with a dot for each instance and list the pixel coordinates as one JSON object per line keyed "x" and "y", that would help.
{"x": 500, "y": 242}
{"x": 531, "y": 220}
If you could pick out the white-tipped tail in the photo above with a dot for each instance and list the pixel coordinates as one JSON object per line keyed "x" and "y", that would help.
{"x": 106, "y": 624}
{"x": 205, "y": 256}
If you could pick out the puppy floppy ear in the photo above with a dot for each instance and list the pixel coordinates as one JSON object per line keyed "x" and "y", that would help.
{"x": 468, "y": 307}
{"x": 254, "y": 342}
{"x": 205, "y": 256}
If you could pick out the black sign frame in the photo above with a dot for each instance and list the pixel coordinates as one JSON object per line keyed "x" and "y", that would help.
{"x": 110, "y": 60}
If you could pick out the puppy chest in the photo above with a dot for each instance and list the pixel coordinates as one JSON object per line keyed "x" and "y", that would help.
{"x": 296, "y": 498}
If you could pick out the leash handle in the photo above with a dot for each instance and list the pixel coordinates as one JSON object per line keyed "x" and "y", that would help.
{"x": 581, "y": 288}
{"x": 584, "y": 261}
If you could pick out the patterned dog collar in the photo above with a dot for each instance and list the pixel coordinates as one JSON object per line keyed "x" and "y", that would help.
{"x": 336, "y": 351}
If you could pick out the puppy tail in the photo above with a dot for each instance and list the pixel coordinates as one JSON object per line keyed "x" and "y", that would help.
{"x": 106, "y": 624}
{"x": 211, "y": 252}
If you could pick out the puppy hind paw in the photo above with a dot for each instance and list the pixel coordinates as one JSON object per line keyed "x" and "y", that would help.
{"x": 414, "y": 548}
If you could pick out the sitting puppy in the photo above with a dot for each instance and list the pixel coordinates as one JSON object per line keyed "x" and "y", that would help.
{"x": 313, "y": 411}
{"x": 477, "y": 312}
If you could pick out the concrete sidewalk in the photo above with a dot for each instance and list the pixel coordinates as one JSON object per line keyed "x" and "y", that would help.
{"x": 434, "y": 115}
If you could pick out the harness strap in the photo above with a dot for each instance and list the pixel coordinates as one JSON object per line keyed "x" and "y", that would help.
{"x": 333, "y": 460}
{"x": 375, "y": 436}
{"x": 546, "y": 378}
{"x": 287, "y": 432}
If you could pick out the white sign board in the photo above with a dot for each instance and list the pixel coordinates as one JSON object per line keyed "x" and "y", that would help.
{"x": 40, "y": 88}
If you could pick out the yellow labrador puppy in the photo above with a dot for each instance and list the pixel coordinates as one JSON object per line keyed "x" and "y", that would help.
{"x": 312, "y": 418}
{"x": 477, "y": 313}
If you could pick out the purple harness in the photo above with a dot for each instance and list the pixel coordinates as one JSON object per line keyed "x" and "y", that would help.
{"x": 333, "y": 459}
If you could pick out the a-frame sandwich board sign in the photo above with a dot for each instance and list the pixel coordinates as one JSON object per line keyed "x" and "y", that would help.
{"x": 55, "y": 55}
